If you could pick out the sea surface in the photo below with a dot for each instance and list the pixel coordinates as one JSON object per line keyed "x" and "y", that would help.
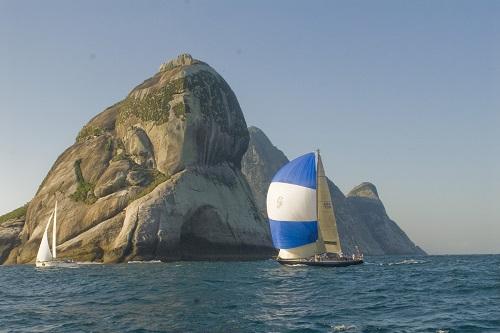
{"x": 386, "y": 294}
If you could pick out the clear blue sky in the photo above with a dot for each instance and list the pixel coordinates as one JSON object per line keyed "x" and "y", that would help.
{"x": 405, "y": 94}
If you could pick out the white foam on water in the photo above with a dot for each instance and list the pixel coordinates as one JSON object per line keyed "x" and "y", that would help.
{"x": 407, "y": 262}
{"x": 343, "y": 328}
{"x": 144, "y": 262}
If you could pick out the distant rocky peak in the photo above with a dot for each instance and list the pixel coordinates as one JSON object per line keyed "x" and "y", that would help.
{"x": 256, "y": 130}
{"x": 260, "y": 138}
{"x": 183, "y": 59}
{"x": 365, "y": 190}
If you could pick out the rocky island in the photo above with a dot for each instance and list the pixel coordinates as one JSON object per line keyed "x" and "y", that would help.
{"x": 171, "y": 172}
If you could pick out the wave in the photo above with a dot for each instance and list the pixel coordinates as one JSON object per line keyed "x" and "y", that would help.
{"x": 144, "y": 262}
{"x": 343, "y": 328}
{"x": 407, "y": 262}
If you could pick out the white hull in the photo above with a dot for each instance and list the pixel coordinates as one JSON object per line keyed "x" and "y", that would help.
{"x": 56, "y": 263}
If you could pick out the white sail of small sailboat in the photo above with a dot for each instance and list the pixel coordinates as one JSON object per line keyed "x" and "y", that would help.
{"x": 44, "y": 253}
{"x": 44, "y": 257}
{"x": 301, "y": 216}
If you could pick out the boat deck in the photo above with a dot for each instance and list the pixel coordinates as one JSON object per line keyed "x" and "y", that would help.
{"x": 324, "y": 263}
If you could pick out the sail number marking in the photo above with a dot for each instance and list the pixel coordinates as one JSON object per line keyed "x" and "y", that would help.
{"x": 279, "y": 202}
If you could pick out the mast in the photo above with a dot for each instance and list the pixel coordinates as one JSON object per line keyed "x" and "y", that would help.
{"x": 54, "y": 232}
{"x": 327, "y": 224}
{"x": 320, "y": 244}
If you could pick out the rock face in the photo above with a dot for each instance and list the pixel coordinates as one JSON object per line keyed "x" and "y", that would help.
{"x": 259, "y": 164}
{"x": 155, "y": 176}
{"x": 373, "y": 222}
{"x": 9, "y": 236}
{"x": 361, "y": 217}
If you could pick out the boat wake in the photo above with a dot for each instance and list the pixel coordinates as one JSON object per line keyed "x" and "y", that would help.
{"x": 407, "y": 262}
{"x": 343, "y": 328}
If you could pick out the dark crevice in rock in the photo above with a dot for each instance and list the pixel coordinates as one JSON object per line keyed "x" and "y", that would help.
{"x": 130, "y": 247}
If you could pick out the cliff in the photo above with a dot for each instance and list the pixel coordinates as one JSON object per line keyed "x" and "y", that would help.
{"x": 155, "y": 176}
{"x": 373, "y": 224}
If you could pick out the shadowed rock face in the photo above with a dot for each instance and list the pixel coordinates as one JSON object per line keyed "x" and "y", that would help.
{"x": 152, "y": 175}
{"x": 259, "y": 164}
{"x": 373, "y": 220}
{"x": 361, "y": 217}
{"x": 9, "y": 236}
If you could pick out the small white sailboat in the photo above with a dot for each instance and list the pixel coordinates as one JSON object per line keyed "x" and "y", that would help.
{"x": 46, "y": 258}
{"x": 300, "y": 210}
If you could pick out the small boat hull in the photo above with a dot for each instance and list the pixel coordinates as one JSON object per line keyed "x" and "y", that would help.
{"x": 56, "y": 263}
{"x": 323, "y": 263}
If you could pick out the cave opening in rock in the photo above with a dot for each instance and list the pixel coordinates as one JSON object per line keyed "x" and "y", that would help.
{"x": 206, "y": 235}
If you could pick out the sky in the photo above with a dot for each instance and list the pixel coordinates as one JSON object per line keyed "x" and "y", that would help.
{"x": 404, "y": 94}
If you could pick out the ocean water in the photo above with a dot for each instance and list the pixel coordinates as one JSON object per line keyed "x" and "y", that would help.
{"x": 386, "y": 294}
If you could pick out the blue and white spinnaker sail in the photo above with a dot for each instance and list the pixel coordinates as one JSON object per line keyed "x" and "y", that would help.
{"x": 291, "y": 208}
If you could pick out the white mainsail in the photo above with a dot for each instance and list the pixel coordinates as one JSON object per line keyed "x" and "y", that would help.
{"x": 54, "y": 232}
{"x": 44, "y": 253}
{"x": 328, "y": 237}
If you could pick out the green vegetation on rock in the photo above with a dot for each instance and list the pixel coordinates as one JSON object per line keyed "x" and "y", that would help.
{"x": 89, "y": 132}
{"x": 155, "y": 106}
{"x": 109, "y": 144}
{"x": 215, "y": 96}
{"x": 158, "y": 178}
{"x": 85, "y": 190}
{"x": 15, "y": 214}
{"x": 180, "y": 110}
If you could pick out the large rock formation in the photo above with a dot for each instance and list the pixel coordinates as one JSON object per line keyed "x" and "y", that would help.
{"x": 383, "y": 234}
{"x": 155, "y": 176}
{"x": 158, "y": 175}
{"x": 361, "y": 216}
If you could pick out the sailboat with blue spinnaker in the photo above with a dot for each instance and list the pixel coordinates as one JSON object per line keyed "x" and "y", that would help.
{"x": 301, "y": 217}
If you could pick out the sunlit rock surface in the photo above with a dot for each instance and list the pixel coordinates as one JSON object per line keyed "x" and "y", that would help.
{"x": 155, "y": 176}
